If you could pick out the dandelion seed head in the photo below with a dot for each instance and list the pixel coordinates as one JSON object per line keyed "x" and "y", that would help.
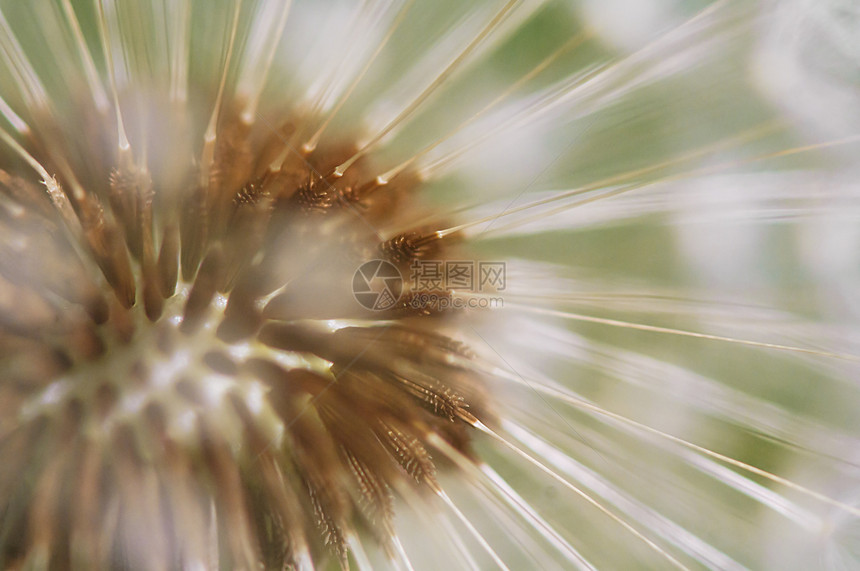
{"x": 214, "y": 352}
{"x": 198, "y": 387}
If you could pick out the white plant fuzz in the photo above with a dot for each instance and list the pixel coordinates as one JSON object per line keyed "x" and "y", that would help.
{"x": 220, "y": 347}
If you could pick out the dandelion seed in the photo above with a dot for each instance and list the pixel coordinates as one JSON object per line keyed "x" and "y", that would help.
{"x": 409, "y": 285}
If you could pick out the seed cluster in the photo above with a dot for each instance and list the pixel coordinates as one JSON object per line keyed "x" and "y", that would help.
{"x": 186, "y": 378}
